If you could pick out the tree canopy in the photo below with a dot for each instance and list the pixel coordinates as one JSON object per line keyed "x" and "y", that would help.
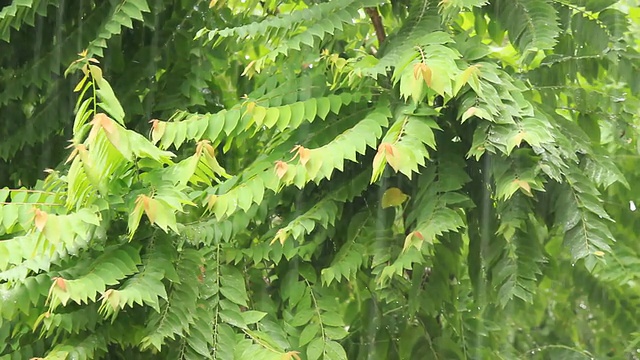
{"x": 350, "y": 179}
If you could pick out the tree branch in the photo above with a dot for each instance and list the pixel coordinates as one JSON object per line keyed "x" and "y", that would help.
{"x": 376, "y": 20}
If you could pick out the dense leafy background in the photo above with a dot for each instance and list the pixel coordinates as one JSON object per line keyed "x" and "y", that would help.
{"x": 284, "y": 180}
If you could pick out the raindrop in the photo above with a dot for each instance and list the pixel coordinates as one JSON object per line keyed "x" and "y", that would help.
{"x": 632, "y": 205}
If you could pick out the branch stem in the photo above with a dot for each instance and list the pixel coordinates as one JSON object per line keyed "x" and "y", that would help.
{"x": 376, "y": 20}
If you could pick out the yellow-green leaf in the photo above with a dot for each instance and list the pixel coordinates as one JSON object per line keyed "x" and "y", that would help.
{"x": 393, "y": 197}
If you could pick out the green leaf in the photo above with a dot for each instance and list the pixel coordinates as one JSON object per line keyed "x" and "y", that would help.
{"x": 233, "y": 318}
{"x": 393, "y": 197}
{"x": 324, "y": 106}
{"x": 233, "y": 286}
{"x": 331, "y": 318}
{"x": 335, "y": 351}
{"x": 531, "y": 23}
{"x": 310, "y": 109}
{"x": 109, "y": 101}
{"x": 336, "y": 333}
{"x": 308, "y": 333}
{"x": 597, "y": 5}
{"x": 258, "y": 114}
{"x": 271, "y": 117}
{"x": 315, "y": 349}
{"x": 302, "y": 317}
{"x": 252, "y": 316}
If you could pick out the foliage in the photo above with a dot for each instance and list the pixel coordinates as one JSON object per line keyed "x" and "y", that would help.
{"x": 145, "y": 46}
{"x": 445, "y": 189}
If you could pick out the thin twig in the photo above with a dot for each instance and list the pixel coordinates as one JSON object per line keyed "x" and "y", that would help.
{"x": 29, "y": 203}
{"x": 33, "y": 191}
